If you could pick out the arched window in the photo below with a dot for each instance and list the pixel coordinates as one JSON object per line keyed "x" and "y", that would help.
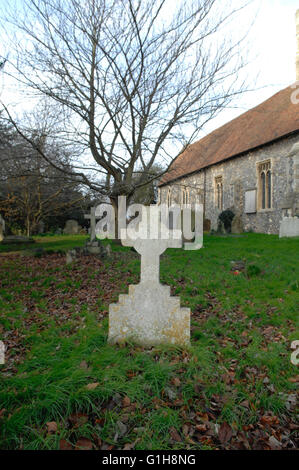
{"x": 183, "y": 196}
{"x": 265, "y": 185}
{"x": 219, "y": 192}
{"x": 169, "y": 197}
{"x": 269, "y": 189}
{"x": 187, "y": 196}
{"x": 263, "y": 188}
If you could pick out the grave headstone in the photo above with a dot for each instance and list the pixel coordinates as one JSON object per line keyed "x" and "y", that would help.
{"x": 289, "y": 227}
{"x": 237, "y": 225}
{"x": 92, "y": 218}
{"x": 108, "y": 250}
{"x": 40, "y": 227}
{"x": 71, "y": 256}
{"x": 93, "y": 246}
{"x": 71, "y": 227}
{"x": 149, "y": 315}
{"x": 17, "y": 239}
{"x": 221, "y": 229}
{"x": 206, "y": 225}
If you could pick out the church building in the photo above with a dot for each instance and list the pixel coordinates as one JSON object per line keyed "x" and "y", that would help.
{"x": 250, "y": 165}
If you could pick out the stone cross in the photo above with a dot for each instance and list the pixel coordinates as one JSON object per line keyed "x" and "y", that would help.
{"x": 149, "y": 315}
{"x": 151, "y": 249}
{"x": 92, "y": 217}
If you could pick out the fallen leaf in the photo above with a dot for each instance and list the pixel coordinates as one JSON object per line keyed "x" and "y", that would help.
{"x": 126, "y": 401}
{"x": 176, "y": 381}
{"x": 185, "y": 430}
{"x": 274, "y": 443}
{"x": 245, "y": 403}
{"x": 65, "y": 445}
{"x": 225, "y": 433}
{"x": 83, "y": 365}
{"x": 51, "y": 427}
{"x": 130, "y": 446}
{"x": 269, "y": 420}
{"x": 294, "y": 379}
{"x": 201, "y": 427}
{"x": 78, "y": 419}
{"x": 175, "y": 435}
{"x": 83, "y": 444}
{"x": 106, "y": 446}
{"x": 92, "y": 386}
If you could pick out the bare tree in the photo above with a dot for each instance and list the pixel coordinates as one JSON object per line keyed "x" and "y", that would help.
{"x": 135, "y": 80}
{"x": 31, "y": 190}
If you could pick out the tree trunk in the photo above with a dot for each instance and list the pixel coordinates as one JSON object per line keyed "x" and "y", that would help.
{"x": 123, "y": 223}
{"x": 28, "y": 227}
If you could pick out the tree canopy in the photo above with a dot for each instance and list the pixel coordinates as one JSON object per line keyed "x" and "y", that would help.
{"x": 134, "y": 82}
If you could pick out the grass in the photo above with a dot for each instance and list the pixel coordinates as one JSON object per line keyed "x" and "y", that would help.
{"x": 53, "y": 318}
{"x": 59, "y": 242}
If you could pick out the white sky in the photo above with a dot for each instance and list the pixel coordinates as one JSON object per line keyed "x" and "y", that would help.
{"x": 273, "y": 43}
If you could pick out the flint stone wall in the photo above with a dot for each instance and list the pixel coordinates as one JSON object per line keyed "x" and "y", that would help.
{"x": 240, "y": 174}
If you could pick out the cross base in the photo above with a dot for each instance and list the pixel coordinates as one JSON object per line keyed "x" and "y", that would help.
{"x": 149, "y": 315}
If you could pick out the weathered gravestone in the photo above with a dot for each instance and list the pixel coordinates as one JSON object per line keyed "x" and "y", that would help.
{"x": 237, "y": 225}
{"x": 289, "y": 227}
{"x": 71, "y": 227}
{"x": 206, "y": 225}
{"x": 92, "y": 218}
{"x": 2, "y": 228}
{"x": 149, "y": 315}
{"x": 93, "y": 246}
{"x": 221, "y": 229}
{"x": 71, "y": 256}
{"x": 40, "y": 227}
{"x": 17, "y": 239}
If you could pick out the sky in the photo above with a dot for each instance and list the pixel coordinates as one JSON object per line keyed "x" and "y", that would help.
{"x": 272, "y": 44}
{"x": 272, "y": 41}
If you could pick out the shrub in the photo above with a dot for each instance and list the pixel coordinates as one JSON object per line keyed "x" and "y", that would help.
{"x": 226, "y": 217}
{"x": 253, "y": 270}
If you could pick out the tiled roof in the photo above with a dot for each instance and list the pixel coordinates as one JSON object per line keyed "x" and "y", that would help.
{"x": 274, "y": 118}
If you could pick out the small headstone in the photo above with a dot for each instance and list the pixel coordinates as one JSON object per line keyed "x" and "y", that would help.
{"x": 94, "y": 248}
{"x": 289, "y": 227}
{"x": 92, "y": 229}
{"x": 71, "y": 256}
{"x": 58, "y": 231}
{"x": 40, "y": 227}
{"x": 17, "y": 239}
{"x": 71, "y": 227}
{"x": 108, "y": 250}
{"x": 206, "y": 225}
{"x": 221, "y": 229}
{"x": 2, "y": 228}
{"x": 237, "y": 225}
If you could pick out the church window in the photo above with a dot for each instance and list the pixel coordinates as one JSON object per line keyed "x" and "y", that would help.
{"x": 265, "y": 185}
{"x": 185, "y": 196}
{"x": 219, "y": 192}
{"x": 169, "y": 197}
{"x": 269, "y": 189}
